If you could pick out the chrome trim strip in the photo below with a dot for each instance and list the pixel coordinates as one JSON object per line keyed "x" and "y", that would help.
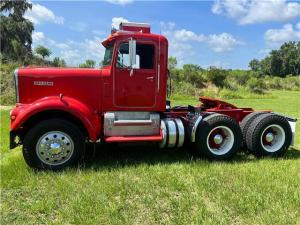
{"x": 194, "y": 129}
{"x": 132, "y": 122}
{"x": 17, "y": 84}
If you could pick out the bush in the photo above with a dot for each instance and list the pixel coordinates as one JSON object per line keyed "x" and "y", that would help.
{"x": 229, "y": 94}
{"x": 291, "y": 83}
{"x": 7, "y": 94}
{"x": 256, "y": 85}
{"x": 273, "y": 82}
{"x": 217, "y": 76}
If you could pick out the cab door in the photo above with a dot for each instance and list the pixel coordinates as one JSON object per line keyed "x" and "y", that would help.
{"x": 135, "y": 87}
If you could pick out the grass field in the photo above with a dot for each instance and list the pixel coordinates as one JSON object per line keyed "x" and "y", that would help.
{"x": 144, "y": 185}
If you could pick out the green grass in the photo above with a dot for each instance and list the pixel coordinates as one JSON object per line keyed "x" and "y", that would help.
{"x": 143, "y": 185}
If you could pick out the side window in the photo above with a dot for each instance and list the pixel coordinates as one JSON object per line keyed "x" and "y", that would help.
{"x": 144, "y": 56}
{"x": 123, "y": 55}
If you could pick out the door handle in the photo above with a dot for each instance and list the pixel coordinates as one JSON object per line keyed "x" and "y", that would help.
{"x": 150, "y": 78}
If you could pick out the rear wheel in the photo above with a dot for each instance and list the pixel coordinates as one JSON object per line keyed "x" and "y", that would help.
{"x": 53, "y": 144}
{"x": 269, "y": 135}
{"x": 245, "y": 124}
{"x": 218, "y": 137}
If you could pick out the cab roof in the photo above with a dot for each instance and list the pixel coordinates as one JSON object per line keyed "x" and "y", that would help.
{"x": 134, "y": 30}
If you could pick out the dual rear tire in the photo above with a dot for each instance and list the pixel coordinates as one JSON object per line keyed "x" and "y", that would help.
{"x": 268, "y": 134}
{"x": 219, "y": 137}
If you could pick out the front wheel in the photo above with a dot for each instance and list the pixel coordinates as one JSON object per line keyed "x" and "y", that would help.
{"x": 218, "y": 137}
{"x": 53, "y": 144}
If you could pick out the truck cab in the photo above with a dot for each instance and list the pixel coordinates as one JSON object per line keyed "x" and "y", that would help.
{"x": 137, "y": 61}
{"x": 58, "y": 110}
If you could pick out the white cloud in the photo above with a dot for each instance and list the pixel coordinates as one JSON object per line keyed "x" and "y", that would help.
{"x": 77, "y": 52}
{"x": 298, "y": 25}
{"x": 182, "y": 41}
{"x": 222, "y": 42}
{"x": 72, "y": 57}
{"x": 116, "y": 22}
{"x": 38, "y": 36}
{"x": 73, "y": 52}
{"x": 186, "y": 35}
{"x": 257, "y": 11}
{"x": 93, "y": 48}
{"x": 40, "y": 14}
{"x": 275, "y": 37}
{"x": 120, "y": 2}
{"x": 167, "y": 26}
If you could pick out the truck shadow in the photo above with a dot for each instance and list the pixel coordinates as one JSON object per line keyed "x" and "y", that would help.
{"x": 115, "y": 156}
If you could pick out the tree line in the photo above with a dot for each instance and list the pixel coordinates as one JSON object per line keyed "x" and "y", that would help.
{"x": 282, "y": 62}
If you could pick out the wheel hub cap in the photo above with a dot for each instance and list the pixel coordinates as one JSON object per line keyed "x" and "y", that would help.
{"x": 269, "y": 137}
{"x": 55, "y": 148}
{"x": 273, "y": 138}
{"x": 218, "y": 139}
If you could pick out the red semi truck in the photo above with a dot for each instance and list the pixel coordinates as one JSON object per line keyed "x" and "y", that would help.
{"x": 59, "y": 109}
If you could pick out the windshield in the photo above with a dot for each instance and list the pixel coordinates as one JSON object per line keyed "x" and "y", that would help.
{"x": 108, "y": 55}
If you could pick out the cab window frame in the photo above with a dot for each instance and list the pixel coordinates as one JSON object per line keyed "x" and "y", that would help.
{"x": 138, "y": 42}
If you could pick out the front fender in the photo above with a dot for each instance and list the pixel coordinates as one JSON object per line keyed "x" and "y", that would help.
{"x": 89, "y": 118}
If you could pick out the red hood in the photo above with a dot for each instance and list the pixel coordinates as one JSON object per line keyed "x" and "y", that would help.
{"x": 80, "y": 83}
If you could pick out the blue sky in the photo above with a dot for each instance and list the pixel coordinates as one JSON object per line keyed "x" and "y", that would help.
{"x": 223, "y": 33}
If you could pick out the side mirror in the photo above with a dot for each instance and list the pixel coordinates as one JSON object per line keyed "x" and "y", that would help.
{"x": 132, "y": 52}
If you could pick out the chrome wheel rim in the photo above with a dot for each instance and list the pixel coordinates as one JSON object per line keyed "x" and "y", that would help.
{"x": 55, "y": 148}
{"x": 220, "y": 140}
{"x": 272, "y": 138}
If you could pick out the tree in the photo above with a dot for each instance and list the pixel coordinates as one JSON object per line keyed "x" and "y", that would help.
{"x": 290, "y": 55}
{"x": 16, "y": 9}
{"x": 42, "y": 51}
{"x": 172, "y": 63}
{"x": 254, "y": 65}
{"x": 58, "y": 62}
{"x": 276, "y": 64}
{"x": 15, "y": 30}
{"x": 89, "y": 63}
{"x": 281, "y": 62}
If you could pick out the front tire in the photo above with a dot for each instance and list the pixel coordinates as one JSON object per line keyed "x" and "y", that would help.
{"x": 218, "y": 137}
{"x": 53, "y": 144}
